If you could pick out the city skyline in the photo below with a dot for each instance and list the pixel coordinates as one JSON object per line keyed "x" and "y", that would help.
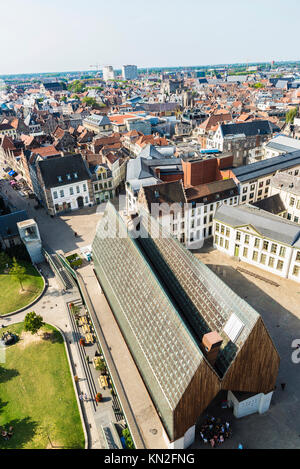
{"x": 156, "y": 35}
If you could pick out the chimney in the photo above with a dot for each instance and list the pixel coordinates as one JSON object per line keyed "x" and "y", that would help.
{"x": 211, "y": 343}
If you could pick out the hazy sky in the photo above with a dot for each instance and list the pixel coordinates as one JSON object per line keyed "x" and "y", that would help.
{"x": 62, "y": 35}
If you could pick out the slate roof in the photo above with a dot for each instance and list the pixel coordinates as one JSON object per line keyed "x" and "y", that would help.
{"x": 249, "y": 129}
{"x": 165, "y": 192}
{"x": 149, "y": 151}
{"x": 268, "y": 166}
{"x": 54, "y": 167}
{"x": 8, "y": 223}
{"x": 223, "y": 187}
{"x": 268, "y": 225}
{"x": 273, "y": 204}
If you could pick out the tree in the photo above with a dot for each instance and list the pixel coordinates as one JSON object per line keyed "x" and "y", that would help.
{"x": 290, "y": 115}
{"x": 4, "y": 261}
{"x": 18, "y": 271}
{"x": 33, "y": 322}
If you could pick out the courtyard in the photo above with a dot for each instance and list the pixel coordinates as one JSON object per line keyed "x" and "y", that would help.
{"x": 37, "y": 397}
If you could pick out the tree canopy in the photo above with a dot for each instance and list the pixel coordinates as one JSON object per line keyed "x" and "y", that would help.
{"x": 33, "y": 322}
{"x": 290, "y": 115}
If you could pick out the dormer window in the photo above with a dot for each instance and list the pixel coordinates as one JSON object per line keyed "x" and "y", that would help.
{"x": 59, "y": 178}
{"x": 69, "y": 177}
{"x": 75, "y": 175}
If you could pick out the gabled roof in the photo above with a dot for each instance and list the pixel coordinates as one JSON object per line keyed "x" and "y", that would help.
{"x": 271, "y": 226}
{"x": 61, "y": 167}
{"x": 149, "y": 151}
{"x": 249, "y": 129}
{"x": 268, "y": 166}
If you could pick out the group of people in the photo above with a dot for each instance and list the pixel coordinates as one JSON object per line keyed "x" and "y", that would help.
{"x": 214, "y": 432}
{"x": 7, "y": 434}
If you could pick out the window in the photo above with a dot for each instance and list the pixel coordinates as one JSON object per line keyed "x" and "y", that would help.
{"x": 69, "y": 177}
{"x": 96, "y": 187}
{"x": 296, "y": 219}
{"x": 273, "y": 248}
{"x": 84, "y": 187}
{"x": 247, "y": 237}
{"x": 245, "y": 252}
{"x": 75, "y": 175}
{"x": 77, "y": 189}
{"x": 211, "y": 207}
{"x": 292, "y": 201}
{"x": 61, "y": 193}
{"x": 244, "y": 198}
{"x": 259, "y": 193}
{"x": 251, "y": 195}
{"x": 216, "y": 239}
{"x": 222, "y": 229}
{"x": 282, "y": 251}
{"x": 257, "y": 242}
{"x": 279, "y": 265}
{"x": 54, "y": 195}
{"x": 265, "y": 245}
{"x": 210, "y": 218}
{"x": 263, "y": 258}
{"x": 252, "y": 187}
{"x": 296, "y": 270}
{"x": 260, "y": 184}
{"x": 59, "y": 178}
{"x": 268, "y": 181}
{"x": 238, "y": 236}
{"x": 271, "y": 262}
{"x": 217, "y": 227}
{"x": 245, "y": 189}
{"x": 227, "y": 232}
{"x": 205, "y": 220}
{"x": 255, "y": 255}
{"x": 221, "y": 241}
{"x": 71, "y": 191}
{"x": 298, "y": 256}
{"x": 226, "y": 244}
{"x": 86, "y": 199}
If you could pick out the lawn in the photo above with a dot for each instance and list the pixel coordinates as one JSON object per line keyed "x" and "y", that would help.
{"x": 11, "y": 299}
{"x": 36, "y": 394}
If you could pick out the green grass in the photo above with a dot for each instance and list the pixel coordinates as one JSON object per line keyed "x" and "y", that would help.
{"x": 37, "y": 396}
{"x": 10, "y": 297}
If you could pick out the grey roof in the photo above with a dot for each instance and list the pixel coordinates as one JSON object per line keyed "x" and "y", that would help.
{"x": 268, "y": 166}
{"x": 249, "y": 129}
{"x": 142, "y": 168}
{"x": 268, "y": 225}
{"x": 8, "y": 223}
{"x": 273, "y": 204}
{"x": 63, "y": 166}
{"x": 96, "y": 119}
{"x": 149, "y": 151}
{"x": 283, "y": 143}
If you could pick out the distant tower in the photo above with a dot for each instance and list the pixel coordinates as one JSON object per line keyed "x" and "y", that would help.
{"x": 29, "y": 234}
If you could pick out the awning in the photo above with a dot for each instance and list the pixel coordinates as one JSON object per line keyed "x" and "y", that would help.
{"x": 12, "y": 172}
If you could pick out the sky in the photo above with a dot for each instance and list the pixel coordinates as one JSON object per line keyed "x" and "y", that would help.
{"x": 66, "y": 35}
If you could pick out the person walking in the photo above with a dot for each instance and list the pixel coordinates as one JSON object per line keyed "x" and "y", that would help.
{"x": 283, "y": 386}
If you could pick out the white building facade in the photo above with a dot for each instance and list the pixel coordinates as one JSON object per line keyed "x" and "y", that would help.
{"x": 278, "y": 254}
